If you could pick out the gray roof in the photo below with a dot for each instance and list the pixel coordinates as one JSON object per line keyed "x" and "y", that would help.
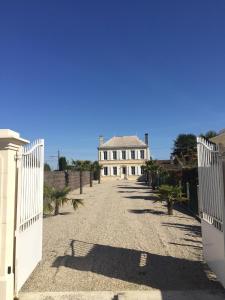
{"x": 123, "y": 142}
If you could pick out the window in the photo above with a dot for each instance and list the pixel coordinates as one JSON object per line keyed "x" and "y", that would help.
{"x": 123, "y": 154}
{"x": 142, "y": 170}
{"x": 142, "y": 154}
{"x": 105, "y": 171}
{"x": 133, "y": 170}
{"x": 105, "y": 155}
{"x": 114, "y": 170}
{"x": 132, "y": 154}
{"x": 114, "y": 155}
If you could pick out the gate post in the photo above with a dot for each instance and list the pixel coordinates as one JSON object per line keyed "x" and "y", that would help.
{"x": 10, "y": 143}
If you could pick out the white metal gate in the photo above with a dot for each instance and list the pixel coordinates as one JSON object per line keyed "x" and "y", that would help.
{"x": 211, "y": 205}
{"x": 28, "y": 250}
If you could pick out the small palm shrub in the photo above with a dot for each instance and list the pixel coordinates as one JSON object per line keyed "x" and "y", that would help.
{"x": 171, "y": 194}
{"x": 56, "y": 198}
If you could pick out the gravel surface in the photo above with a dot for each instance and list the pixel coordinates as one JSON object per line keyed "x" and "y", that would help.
{"x": 120, "y": 240}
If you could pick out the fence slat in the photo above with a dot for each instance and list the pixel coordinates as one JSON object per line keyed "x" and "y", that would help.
{"x": 211, "y": 182}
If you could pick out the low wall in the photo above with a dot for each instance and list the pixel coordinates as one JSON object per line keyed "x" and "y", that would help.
{"x": 61, "y": 179}
{"x": 55, "y": 179}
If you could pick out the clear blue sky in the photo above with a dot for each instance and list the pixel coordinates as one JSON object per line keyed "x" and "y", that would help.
{"x": 71, "y": 70}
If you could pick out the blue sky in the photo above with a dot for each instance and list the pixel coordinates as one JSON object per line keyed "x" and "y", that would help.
{"x": 71, "y": 70}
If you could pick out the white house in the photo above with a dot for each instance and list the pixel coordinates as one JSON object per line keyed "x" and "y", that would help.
{"x": 123, "y": 157}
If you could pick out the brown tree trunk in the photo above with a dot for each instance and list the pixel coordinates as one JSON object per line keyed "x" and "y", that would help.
{"x": 91, "y": 183}
{"x": 170, "y": 208}
{"x": 56, "y": 208}
{"x": 149, "y": 179}
{"x": 81, "y": 182}
{"x": 99, "y": 176}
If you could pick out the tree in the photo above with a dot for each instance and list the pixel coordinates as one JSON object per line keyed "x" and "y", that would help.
{"x": 55, "y": 198}
{"x": 209, "y": 134}
{"x": 81, "y": 165}
{"x": 171, "y": 194}
{"x": 62, "y": 164}
{"x": 84, "y": 165}
{"x": 47, "y": 167}
{"x": 185, "y": 149}
{"x": 96, "y": 167}
{"x": 152, "y": 169}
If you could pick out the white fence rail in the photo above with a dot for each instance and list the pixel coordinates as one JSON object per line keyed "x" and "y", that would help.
{"x": 29, "y": 211}
{"x": 210, "y": 166}
{"x": 211, "y": 205}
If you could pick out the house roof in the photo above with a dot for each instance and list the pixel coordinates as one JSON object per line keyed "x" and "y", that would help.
{"x": 219, "y": 139}
{"x": 169, "y": 165}
{"x": 123, "y": 142}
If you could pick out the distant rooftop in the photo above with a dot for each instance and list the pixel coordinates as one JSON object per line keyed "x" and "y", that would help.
{"x": 123, "y": 142}
{"x": 221, "y": 131}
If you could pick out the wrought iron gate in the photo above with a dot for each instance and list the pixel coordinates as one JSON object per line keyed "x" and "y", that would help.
{"x": 29, "y": 211}
{"x": 212, "y": 205}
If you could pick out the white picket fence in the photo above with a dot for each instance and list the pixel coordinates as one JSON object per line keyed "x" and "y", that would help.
{"x": 29, "y": 211}
{"x": 211, "y": 205}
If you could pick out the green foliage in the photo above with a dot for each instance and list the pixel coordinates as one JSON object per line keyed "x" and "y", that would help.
{"x": 153, "y": 171}
{"x": 96, "y": 166}
{"x": 47, "y": 167}
{"x": 151, "y": 166}
{"x": 185, "y": 149}
{"x": 191, "y": 176}
{"x": 171, "y": 194}
{"x": 96, "y": 169}
{"x": 209, "y": 134}
{"x": 81, "y": 165}
{"x": 55, "y": 198}
{"x": 62, "y": 164}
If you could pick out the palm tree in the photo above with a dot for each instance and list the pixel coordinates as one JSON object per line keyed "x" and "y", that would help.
{"x": 84, "y": 165}
{"x": 55, "y": 198}
{"x": 152, "y": 169}
{"x": 81, "y": 165}
{"x": 171, "y": 194}
{"x": 97, "y": 170}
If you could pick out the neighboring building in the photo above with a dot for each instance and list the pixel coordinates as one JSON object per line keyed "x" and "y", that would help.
{"x": 123, "y": 157}
{"x": 169, "y": 165}
{"x": 219, "y": 139}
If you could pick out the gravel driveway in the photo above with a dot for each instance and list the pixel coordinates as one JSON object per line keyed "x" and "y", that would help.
{"x": 120, "y": 240}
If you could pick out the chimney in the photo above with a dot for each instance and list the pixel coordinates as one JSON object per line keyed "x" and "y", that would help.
{"x": 146, "y": 139}
{"x": 101, "y": 140}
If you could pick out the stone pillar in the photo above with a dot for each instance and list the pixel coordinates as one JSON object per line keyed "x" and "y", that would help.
{"x": 10, "y": 143}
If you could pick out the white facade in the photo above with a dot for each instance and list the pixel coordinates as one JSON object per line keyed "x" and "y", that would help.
{"x": 121, "y": 160}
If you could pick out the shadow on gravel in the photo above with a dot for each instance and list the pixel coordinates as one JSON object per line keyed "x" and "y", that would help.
{"x": 133, "y": 187}
{"x": 147, "y": 211}
{"x": 144, "y": 197}
{"x": 191, "y": 230}
{"x": 126, "y": 192}
{"x": 187, "y": 245}
{"x": 152, "y": 270}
